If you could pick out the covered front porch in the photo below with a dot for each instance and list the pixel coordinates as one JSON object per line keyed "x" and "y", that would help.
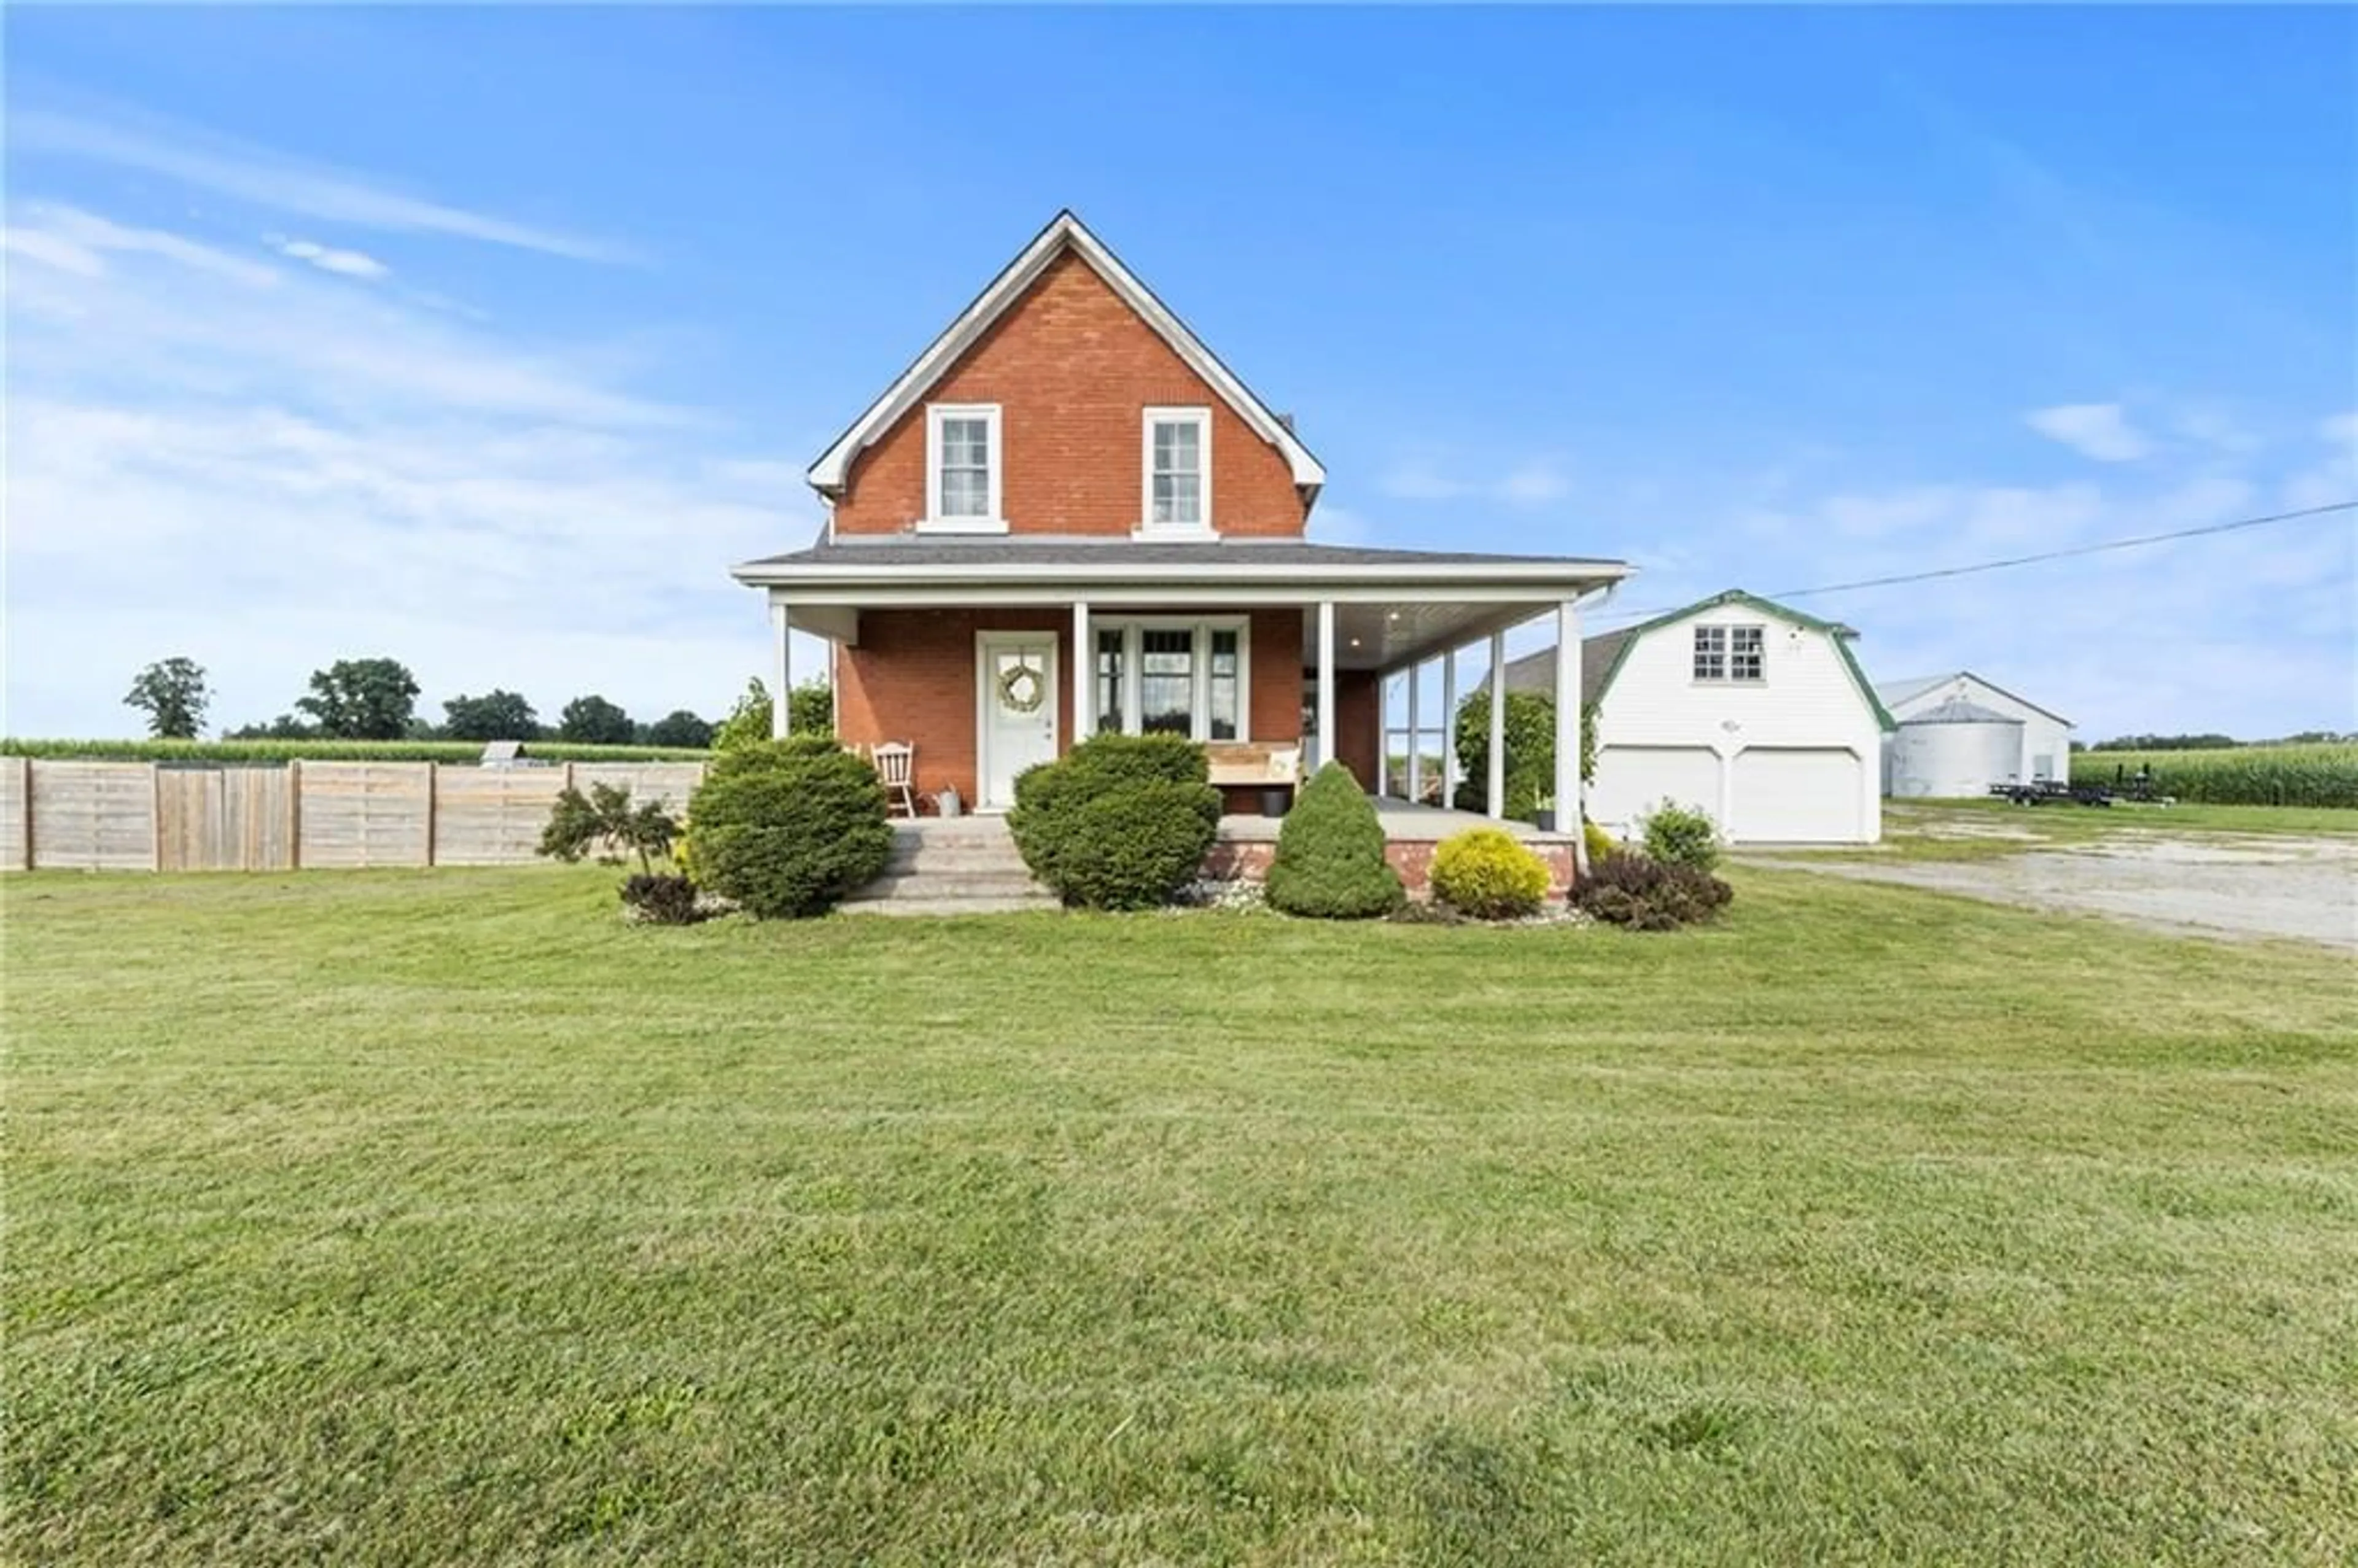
{"x": 988, "y": 656}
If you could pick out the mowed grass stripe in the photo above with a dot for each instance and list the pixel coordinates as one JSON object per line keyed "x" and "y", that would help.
{"x": 429, "y": 1217}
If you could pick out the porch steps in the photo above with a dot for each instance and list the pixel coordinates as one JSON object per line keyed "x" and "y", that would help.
{"x": 959, "y": 865}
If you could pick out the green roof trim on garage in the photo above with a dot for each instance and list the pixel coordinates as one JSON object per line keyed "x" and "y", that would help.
{"x": 1838, "y": 633}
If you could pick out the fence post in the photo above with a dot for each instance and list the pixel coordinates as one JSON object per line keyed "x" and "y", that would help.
{"x": 156, "y": 816}
{"x": 433, "y": 775}
{"x": 294, "y": 813}
{"x": 28, "y": 813}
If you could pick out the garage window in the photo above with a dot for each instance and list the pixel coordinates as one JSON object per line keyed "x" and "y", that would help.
{"x": 1730, "y": 653}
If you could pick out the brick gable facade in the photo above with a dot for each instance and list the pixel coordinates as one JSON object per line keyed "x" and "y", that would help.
{"x": 1073, "y": 368}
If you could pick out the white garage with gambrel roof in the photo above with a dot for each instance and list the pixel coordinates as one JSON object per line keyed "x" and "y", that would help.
{"x": 1757, "y": 713}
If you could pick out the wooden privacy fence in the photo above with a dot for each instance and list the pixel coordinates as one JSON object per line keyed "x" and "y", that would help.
{"x": 138, "y": 816}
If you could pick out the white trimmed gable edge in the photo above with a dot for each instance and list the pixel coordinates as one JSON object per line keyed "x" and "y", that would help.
{"x": 1066, "y": 231}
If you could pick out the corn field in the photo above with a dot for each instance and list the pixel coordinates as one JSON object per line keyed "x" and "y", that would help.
{"x": 2323, "y": 774}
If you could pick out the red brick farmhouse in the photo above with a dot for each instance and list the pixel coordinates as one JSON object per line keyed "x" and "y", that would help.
{"x": 1068, "y": 515}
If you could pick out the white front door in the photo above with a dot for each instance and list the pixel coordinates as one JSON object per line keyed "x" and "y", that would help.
{"x": 1016, "y": 726}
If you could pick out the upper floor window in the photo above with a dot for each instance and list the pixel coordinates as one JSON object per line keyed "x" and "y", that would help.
{"x": 1730, "y": 653}
{"x": 1178, "y": 470}
{"x": 962, "y": 467}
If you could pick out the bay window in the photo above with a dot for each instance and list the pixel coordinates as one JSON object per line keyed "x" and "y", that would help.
{"x": 1175, "y": 675}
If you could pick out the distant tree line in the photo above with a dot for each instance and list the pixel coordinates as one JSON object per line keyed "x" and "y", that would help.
{"x": 377, "y": 700}
{"x": 2216, "y": 742}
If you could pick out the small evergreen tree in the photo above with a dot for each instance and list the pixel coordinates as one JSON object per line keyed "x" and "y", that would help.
{"x": 1330, "y": 854}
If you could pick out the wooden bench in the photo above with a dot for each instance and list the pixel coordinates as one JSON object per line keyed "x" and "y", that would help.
{"x": 1248, "y": 763}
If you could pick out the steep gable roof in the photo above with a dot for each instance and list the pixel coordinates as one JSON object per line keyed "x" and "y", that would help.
{"x": 1602, "y": 656}
{"x": 1064, "y": 233}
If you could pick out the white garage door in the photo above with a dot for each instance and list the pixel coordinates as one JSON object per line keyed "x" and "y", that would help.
{"x": 1632, "y": 779}
{"x": 1797, "y": 796}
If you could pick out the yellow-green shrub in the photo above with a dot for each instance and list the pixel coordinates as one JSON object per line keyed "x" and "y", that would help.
{"x": 1484, "y": 872}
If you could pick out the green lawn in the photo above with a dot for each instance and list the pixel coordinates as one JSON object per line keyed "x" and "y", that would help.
{"x": 438, "y": 1218}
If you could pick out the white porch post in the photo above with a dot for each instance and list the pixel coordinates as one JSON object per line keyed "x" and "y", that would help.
{"x": 1498, "y": 726}
{"x": 1567, "y": 731}
{"x": 1084, "y": 674}
{"x": 1415, "y": 735}
{"x": 1449, "y": 727}
{"x": 782, "y": 670}
{"x": 1326, "y": 748}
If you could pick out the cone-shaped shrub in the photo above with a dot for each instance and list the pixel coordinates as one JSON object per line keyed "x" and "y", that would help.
{"x": 1330, "y": 854}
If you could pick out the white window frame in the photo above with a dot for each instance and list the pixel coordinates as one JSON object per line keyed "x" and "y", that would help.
{"x": 1199, "y": 703}
{"x": 933, "y": 522}
{"x": 1201, "y": 418}
{"x": 1726, "y": 631}
{"x": 1760, "y": 653}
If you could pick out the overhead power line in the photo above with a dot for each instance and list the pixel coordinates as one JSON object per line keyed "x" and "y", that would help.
{"x": 1977, "y": 566}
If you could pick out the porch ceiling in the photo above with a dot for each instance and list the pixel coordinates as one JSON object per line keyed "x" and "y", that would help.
{"x": 1387, "y": 637}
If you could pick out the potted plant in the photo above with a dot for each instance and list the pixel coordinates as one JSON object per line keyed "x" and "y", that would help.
{"x": 1545, "y": 818}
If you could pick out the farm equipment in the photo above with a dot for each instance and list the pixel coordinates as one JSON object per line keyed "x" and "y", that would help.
{"x": 2126, "y": 785}
{"x": 2043, "y": 792}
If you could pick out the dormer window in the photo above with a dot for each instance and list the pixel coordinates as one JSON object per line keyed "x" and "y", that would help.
{"x": 1178, "y": 471}
{"x": 962, "y": 469}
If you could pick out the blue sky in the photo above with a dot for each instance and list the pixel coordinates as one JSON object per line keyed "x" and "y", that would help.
{"x": 489, "y": 339}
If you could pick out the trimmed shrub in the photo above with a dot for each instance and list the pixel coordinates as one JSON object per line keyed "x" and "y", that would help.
{"x": 1136, "y": 844}
{"x": 785, "y": 829}
{"x": 1330, "y": 854}
{"x": 1682, "y": 835}
{"x": 759, "y": 756}
{"x": 1119, "y": 822}
{"x": 1485, "y": 872}
{"x": 662, "y": 900}
{"x": 1646, "y": 894}
{"x": 1599, "y": 842}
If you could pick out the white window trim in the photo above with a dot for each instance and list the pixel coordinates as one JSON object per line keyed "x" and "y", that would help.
{"x": 1728, "y": 676}
{"x": 1201, "y": 418}
{"x": 996, "y": 522}
{"x": 1199, "y": 714}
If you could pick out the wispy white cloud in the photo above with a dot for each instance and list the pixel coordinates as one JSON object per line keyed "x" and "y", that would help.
{"x": 79, "y": 242}
{"x": 272, "y": 181}
{"x": 2097, "y": 430}
{"x": 328, "y": 258}
{"x": 269, "y": 478}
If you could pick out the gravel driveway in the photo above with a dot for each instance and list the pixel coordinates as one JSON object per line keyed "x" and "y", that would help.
{"x": 2229, "y": 885}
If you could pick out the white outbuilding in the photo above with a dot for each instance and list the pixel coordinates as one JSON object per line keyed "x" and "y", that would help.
{"x": 1756, "y": 713}
{"x": 1942, "y": 750}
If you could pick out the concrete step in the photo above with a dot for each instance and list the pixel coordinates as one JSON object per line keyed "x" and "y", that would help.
{"x": 919, "y": 904}
{"x": 953, "y": 859}
{"x": 949, "y": 884}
